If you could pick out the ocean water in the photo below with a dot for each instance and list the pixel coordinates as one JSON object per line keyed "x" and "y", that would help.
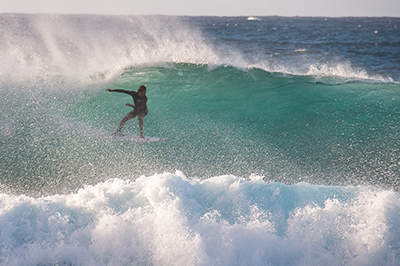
{"x": 282, "y": 141}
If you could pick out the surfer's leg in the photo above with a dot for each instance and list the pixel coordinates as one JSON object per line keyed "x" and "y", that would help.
{"x": 123, "y": 121}
{"x": 140, "y": 118}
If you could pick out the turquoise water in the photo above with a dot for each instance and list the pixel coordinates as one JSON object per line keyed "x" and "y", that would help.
{"x": 282, "y": 141}
{"x": 218, "y": 121}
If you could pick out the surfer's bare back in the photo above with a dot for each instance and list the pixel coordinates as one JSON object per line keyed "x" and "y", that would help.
{"x": 139, "y": 109}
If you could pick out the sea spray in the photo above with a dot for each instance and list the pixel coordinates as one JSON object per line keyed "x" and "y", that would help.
{"x": 83, "y": 46}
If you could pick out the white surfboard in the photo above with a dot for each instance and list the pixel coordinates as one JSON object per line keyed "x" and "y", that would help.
{"x": 136, "y": 138}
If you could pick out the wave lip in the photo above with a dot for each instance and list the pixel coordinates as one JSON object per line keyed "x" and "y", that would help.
{"x": 89, "y": 46}
{"x": 169, "y": 219}
{"x": 345, "y": 71}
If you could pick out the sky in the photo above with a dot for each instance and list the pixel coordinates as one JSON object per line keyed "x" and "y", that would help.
{"x": 324, "y": 8}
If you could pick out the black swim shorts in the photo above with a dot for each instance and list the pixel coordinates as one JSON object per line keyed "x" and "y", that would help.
{"x": 135, "y": 112}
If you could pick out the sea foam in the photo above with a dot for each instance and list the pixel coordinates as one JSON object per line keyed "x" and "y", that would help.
{"x": 169, "y": 219}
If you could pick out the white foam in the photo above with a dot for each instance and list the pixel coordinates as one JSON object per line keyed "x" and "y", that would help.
{"x": 328, "y": 72}
{"x": 344, "y": 70}
{"x": 169, "y": 219}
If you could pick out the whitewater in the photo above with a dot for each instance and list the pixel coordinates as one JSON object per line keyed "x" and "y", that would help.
{"x": 282, "y": 141}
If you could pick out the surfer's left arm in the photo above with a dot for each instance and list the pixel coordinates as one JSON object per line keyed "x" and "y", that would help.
{"x": 130, "y": 105}
{"x": 119, "y": 90}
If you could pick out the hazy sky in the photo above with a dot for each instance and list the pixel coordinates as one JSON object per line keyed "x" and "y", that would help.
{"x": 331, "y": 8}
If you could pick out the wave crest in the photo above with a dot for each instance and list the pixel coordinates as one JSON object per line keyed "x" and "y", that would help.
{"x": 90, "y": 46}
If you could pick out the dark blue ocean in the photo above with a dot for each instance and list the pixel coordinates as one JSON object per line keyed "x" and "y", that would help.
{"x": 283, "y": 138}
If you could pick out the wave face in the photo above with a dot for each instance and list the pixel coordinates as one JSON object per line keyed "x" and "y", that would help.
{"x": 283, "y": 134}
{"x": 218, "y": 121}
{"x": 171, "y": 220}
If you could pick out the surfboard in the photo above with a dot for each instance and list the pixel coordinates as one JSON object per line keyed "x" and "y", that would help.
{"x": 136, "y": 138}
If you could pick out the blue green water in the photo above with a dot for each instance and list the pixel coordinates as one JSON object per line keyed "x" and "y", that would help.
{"x": 282, "y": 141}
{"x": 218, "y": 121}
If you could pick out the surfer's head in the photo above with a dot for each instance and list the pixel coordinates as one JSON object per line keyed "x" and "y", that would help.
{"x": 142, "y": 90}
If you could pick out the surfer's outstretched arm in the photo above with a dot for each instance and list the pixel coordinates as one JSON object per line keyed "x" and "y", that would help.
{"x": 119, "y": 90}
{"x": 130, "y": 105}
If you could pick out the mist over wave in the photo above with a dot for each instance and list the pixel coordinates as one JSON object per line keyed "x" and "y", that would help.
{"x": 90, "y": 47}
{"x": 82, "y": 46}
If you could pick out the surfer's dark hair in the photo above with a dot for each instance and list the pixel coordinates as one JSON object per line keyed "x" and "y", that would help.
{"x": 142, "y": 88}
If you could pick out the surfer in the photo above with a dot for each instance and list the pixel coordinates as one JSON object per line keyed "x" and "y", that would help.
{"x": 139, "y": 109}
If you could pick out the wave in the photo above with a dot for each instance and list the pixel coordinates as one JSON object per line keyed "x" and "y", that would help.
{"x": 168, "y": 219}
{"x": 217, "y": 121}
{"x": 90, "y": 47}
